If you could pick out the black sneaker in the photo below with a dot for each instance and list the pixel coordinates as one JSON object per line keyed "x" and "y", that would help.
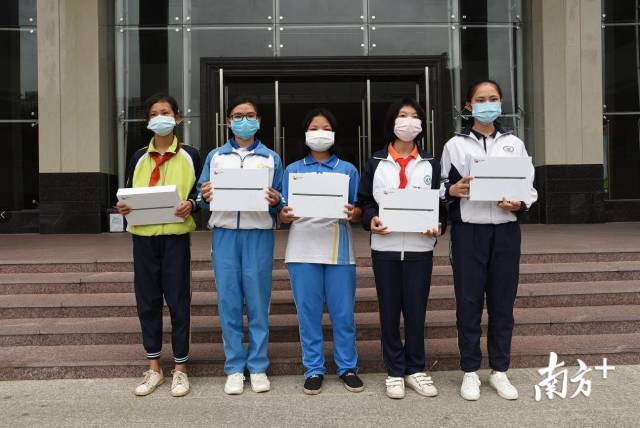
{"x": 352, "y": 382}
{"x": 313, "y": 385}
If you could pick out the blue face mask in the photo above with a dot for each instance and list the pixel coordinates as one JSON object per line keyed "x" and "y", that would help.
{"x": 486, "y": 112}
{"x": 245, "y": 128}
{"x": 162, "y": 125}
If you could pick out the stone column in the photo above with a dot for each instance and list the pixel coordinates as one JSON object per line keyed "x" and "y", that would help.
{"x": 76, "y": 114}
{"x": 563, "y": 80}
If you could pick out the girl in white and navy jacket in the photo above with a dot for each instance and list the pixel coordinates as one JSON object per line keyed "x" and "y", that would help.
{"x": 402, "y": 262}
{"x": 485, "y": 242}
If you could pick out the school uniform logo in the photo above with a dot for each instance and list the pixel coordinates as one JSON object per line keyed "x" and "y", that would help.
{"x": 509, "y": 149}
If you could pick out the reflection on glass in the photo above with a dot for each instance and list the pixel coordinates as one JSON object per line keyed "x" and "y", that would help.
{"x": 154, "y": 63}
{"x": 150, "y": 12}
{"x": 321, "y": 41}
{"x": 418, "y": 40}
{"x": 620, "y": 70}
{"x": 619, "y": 10}
{"x": 18, "y": 75}
{"x": 408, "y": 11}
{"x": 210, "y": 43}
{"x": 489, "y": 52}
{"x": 20, "y": 180}
{"x": 321, "y": 12}
{"x": 624, "y": 157}
{"x": 493, "y": 11}
{"x": 14, "y": 13}
{"x": 231, "y": 12}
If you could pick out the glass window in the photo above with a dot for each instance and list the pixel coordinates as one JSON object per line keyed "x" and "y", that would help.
{"x": 231, "y": 12}
{"x": 14, "y": 13}
{"x": 225, "y": 42}
{"x": 326, "y": 11}
{"x": 18, "y": 74}
{"x": 619, "y": 10}
{"x": 154, "y": 64}
{"x": 191, "y": 131}
{"x": 489, "y": 52}
{"x": 150, "y": 12}
{"x": 20, "y": 151}
{"x": 409, "y": 11}
{"x": 409, "y": 40}
{"x": 321, "y": 41}
{"x": 624, "y": 156}
{"x": 493, "y": 11}
{"x": 620, "y": 73}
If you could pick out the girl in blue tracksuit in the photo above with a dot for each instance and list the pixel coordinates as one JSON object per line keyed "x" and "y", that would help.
{"x": 242, "y": 250}
{"x": 485, "y": 242}
{"x": 321, "y": 262}
{"x": 402, "y": 261}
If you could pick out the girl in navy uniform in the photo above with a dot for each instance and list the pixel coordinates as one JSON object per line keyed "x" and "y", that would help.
{"x": 161, "y": 252}
{"x": 402, "y": 262}
{"x": 485, "y": 243}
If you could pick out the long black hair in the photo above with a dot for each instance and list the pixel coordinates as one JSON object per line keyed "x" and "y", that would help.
{"x": 392, "y": 114}
{"x": 313, "y": 113}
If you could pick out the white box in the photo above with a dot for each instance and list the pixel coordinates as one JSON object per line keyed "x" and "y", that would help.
{"x": 410, "y": 210}
{"x": 116, "y": 222}
{"x": 320, "y": 195}
{"x": 151, "y": 205}
{"x": 240, "y": 189}
{"x": 498, "y": 177}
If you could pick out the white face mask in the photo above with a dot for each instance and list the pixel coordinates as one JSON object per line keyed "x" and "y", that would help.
{"x": 320, "y": 140}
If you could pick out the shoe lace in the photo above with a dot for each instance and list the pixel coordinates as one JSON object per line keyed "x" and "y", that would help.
{"x": 147, "y": 376}
{"x": 394, "y": 381}
{"x": 422, "y": 379}
{"x": 237, "y": 376}
{"x": 179, "y": 378}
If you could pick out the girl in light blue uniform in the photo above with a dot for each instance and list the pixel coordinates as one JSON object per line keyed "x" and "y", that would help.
{"x": 321, "y": 262}
{"x": 242, "y": 250}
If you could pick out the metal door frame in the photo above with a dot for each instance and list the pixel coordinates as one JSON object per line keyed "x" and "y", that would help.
{"x": 214, "y": 72}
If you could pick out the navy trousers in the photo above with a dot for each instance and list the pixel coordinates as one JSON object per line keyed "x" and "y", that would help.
{"x": 162, "y": 269}
{"x": 403, "y": 287}
{"x": 485, "y": 260}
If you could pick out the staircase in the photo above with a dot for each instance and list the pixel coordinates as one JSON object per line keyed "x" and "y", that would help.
{"x": 78, "y": 320}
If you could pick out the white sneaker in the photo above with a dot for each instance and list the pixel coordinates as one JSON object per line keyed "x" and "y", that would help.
{"x": 470, "y": 389}
{"x": 180, "y": 384}
{"x": 422, "y": 384}
{"x": 500, "y": 382}
{"x": 152, "y": 379}
{"x": 234, "y": 384}
{"x": 395, "y": 387}
{"x": 260, "y": 382}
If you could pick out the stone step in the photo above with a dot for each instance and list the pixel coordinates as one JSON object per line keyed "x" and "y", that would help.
{"x": 126, "y": 360}
{"x": 284, "y": 327}
{"x": 202, "y": 280}
{"x": 90, "y": 305}
{"x": 125, "y": 264}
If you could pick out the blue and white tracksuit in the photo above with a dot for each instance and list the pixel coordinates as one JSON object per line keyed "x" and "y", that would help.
{"x": 242, "y": 259}
{"x": 321, "y": 263}
{"x": 485, "y": 251}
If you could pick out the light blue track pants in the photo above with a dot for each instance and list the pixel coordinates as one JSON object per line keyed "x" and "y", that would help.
{"x": 242, "y": 263}
{"x": 313, "y": 285}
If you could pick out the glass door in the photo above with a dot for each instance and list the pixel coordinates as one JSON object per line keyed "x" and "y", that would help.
{"x": 263, "y": 92}
{"x": 381, "y": 92}
{"x": 342, "y": 98}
